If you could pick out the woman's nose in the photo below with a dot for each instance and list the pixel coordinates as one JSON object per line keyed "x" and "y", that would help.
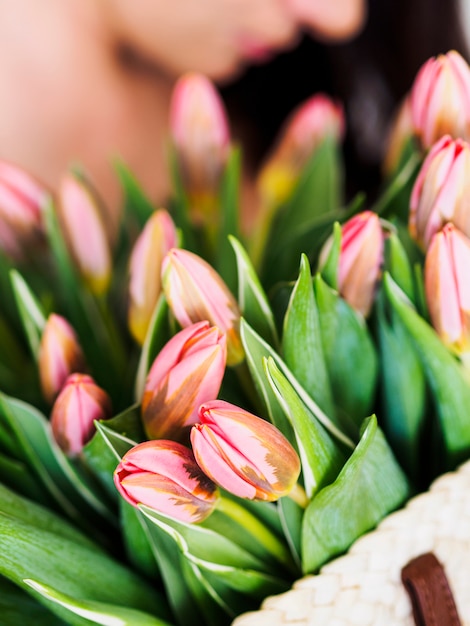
{"x": 333, "y": 20}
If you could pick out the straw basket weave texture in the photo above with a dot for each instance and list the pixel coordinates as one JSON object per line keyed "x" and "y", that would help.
{"x": 364, "y": 586}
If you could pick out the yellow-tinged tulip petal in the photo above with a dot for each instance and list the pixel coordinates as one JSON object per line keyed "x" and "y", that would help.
{"x": 187, "y": 372}
{"x": 157, "y": 238}
{"x": 83, "y": 225}
{"x": 440, "y": 99}
{"x": 195, "y": 292}
{"x": 164, "y": 476}
{"x": 60, "y": 355}
{"x": 78, "y": 405}
{"x": 242, "y": 453}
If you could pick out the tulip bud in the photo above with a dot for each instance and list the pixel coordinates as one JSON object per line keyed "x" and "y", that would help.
{"x": 188, "y": 371}
{"x": 22, "y": 200}
{"x": 157, "y": 238}
{"x": 60, "y": 355}
{"x": 82, "y": 222}
{"x": 164, "y": 476}
{"x": 242, "y": 453}
{"x": 314, "y": 120}
{"x": 200, "y": 135}
{"x": 360, "y": 260}
{"x": 440, "y": 99}
{"x": 78, "y": 405}
{"x": 441, "y": 192}
{"x": 447, "y": 287}
{"x": 195, "y": 292}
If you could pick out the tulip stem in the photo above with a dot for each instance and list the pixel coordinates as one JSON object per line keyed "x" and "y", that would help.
{"x": 298, "y": 495}
{"x": 260, "y": 531}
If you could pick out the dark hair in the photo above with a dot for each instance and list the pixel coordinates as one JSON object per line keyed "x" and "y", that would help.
{"x": 370, "y": 75}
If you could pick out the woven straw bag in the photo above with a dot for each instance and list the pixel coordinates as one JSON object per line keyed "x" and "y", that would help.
{"x": 364, "y": 586}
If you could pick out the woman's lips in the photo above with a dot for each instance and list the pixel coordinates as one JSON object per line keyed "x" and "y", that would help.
{"x": 254, "y": 50}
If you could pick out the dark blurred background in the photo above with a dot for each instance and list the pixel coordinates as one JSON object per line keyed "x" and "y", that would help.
{"x": 370, "y": 75}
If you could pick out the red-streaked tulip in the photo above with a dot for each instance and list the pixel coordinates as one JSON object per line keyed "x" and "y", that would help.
{"x": 360, "y": 260}
{"x": 22, "y": 199}
{"x": 440, "y": 99}
{"x": 448, "y": 288}
{"x": 83, "y": 225}
{"x": 60, "y": 355}
{"x": 441, "y": 192}
{"x": 314, "y": 120}
{"x": 75, "y": 410}
{"x": 187, "y": 372}
{"x": 200, "y": 134}
{"x": 242, "y": 453}
{"x": 195, "y": 292}
{"x": 156, "y": 239}
{"x": 164, "y": 476}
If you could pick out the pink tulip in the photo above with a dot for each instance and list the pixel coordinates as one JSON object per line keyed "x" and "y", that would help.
{"x": 78, "y": 405}
{"x": 83, "y": 224}
{"x": 188, "y": 371}
{"x": 60, "y": 355}
{"x": 157, "y": 238}
{"x": 200, "y": 134}
{"x": 314, "y": 120}
{"x": 195, "y": 292}
{"x": 22, "y": 200}
{"x": 441, "y": 192}
{"x": 360, "y": 261}
{"x": 164, "y": 476}
{"x": 440, "y": 99}
{"x": 448, "y": 288}
{"x": 242, "y": 453}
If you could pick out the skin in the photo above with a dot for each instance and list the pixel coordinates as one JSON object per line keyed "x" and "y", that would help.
{"x": 87, "y": 80}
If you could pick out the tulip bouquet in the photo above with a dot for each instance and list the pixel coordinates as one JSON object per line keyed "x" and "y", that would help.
{"x": 203, "y": 407}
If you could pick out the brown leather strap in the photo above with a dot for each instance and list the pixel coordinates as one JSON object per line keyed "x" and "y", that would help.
{"x": 431, "y": 597}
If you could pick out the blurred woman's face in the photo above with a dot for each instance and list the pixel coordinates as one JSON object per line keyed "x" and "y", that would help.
{"x": 220, "y": 37}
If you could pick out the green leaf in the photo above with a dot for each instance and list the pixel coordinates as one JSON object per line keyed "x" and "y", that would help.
{"x": 329, "y": 271}
{"x": 230, "y": 211}
{"x": 117, "y": 442}
{"x": 17, "y": 607}
{"x": 182, "y": 591}
{"x": 257, "y": 350}
{"x": 157, "y": 335}
{"x": 446, "y": 376}
{"x": 350, "y": 356}
{"x": 18, "y": 476}
{"x": 291, "y": 515}
{"x": 306, "y": 219}
{"x": 403, "y": 391}
{"x": 69, "y": 487}
{"x": 124, "y": 430}
{"x": 94, "y": 612}
{"x": 203, "y": 543}
{"x": 30, "y": 311}
{"x": 318, "y": 191}
{"x": 180, "y": 205}
{"x": 137, "y": 203}
{"x": 398, "y": 265}
{"x": 320, "y": 455}
{"x": 19, "y": 508}
{"x": 138, "y": 541}
{"x": 86, "y": 574}
{"x": 395, "y": 199}
{"x": 301, "y": 341}
{"x": 223, "y": 566}
{"x": 370, "y": 485}
{"x": 253, "y": 302}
